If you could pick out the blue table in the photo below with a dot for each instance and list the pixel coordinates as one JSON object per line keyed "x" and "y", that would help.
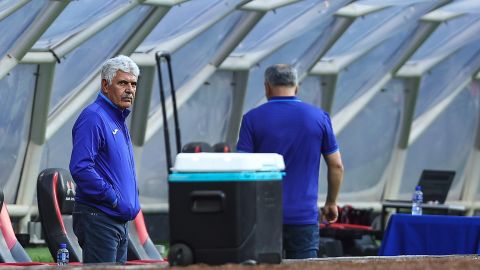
{"x": 431, "y": 235}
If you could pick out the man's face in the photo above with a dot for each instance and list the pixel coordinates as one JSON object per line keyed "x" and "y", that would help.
{"x": 122, "y": 90}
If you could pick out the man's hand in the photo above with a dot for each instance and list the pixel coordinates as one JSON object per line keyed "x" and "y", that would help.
{"x": 330, "y": 213}
{"x": 334, "y": 178}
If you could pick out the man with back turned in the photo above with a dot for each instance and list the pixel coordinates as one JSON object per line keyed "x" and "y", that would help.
{"x": 301, "y": 133}
{"x": 103, "y": 168}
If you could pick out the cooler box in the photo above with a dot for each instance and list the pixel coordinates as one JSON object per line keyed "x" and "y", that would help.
{"x": 226, "y": 208}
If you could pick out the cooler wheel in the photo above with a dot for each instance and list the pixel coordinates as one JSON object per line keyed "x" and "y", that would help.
{"x": 180, "y": 254}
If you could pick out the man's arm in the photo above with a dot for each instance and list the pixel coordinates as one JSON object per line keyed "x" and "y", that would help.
{"x": 334, "y": 178}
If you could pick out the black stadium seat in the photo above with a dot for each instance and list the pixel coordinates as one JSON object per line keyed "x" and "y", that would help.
{"x": 352, "y": 231}
{"x": 199, "y": 147}
{"x": 196, "y": 147}
{"x": 56, "y": 197}
{"x": 221, "y": 147}
{"x": 10, "y": 249}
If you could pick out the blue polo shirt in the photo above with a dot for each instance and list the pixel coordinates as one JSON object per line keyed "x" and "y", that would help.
{"x": 102, "y": 163}
{"x": 299, "y": 132}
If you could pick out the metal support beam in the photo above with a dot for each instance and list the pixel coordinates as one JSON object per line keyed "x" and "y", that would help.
{"x": 341, "y": 119}
{"x": 471, "y": 183}
{"x": 246, "y": 24}
{"x": 151, "y": 21}
{"x": 77, "y": 39}
{"x": 240, "y": 80}
{"x": 164, "y": 2}
{"x": 427, "y": 118}
{"x": 346, "y": 115}
{"x": 266, "y": 5}
{"x": 15, "y": 210}
{"x": 329, "y": 85}
{"x": 247, "y": 60}
{"x": 477, "y": 136}
{"x": 328, "y": 81}
{"x": 83, "y": 93}
{"x": 441, "y": 16}
{"x": 12, "y": 8}
{"x": 472, "y": 170}
{"x": 175, "y": 43}
{"x": 242, "y": 28}
{"x": 394, "y": 170}
{"x": 31, "y": 165}
{"x": 141, "y": 106}
{"x": 404, "y": 52}
{"x": 397, "y": 162}
{"x": 146, "y": 27}
{"x": 376, "y": 38}
{"x": 395, "y": 173}
{"x": 31, "y": 35}
{"x": 411, "y": 90}
{"x": 323, "y": 43}
{"x": 446, "y": 50}
{"x": 138, "y": 124}
{"x": 424, "y": 30}
{"x": 41, "y": 103}
{"x": 38, "y": 58}
{"x": 314, "y": 54}
{"x": 184, "y": 93}
{"x": 355, "y": 10}
{"x": 454, "y": 89}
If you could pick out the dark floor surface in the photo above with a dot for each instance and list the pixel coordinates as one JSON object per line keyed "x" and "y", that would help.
{"x": 468, "y": 262}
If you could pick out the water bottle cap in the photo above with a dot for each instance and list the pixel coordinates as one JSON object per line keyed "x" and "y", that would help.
{"x": 418, "y": 188}
{"x": 63, "y": 245}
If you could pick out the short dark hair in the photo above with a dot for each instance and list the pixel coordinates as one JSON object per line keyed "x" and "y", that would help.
{"x": 281, "y": 75}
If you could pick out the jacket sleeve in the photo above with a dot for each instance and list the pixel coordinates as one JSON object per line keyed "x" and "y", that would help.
{"x": 88, "y": 140}
{"x": 245, "y": 137}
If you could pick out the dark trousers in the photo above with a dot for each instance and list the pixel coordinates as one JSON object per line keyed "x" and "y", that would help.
{"x": 102, "y": 238}
{"x": 301, "y": 241}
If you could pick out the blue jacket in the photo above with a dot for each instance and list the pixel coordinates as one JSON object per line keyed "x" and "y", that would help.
{"x": 102, "y": 163}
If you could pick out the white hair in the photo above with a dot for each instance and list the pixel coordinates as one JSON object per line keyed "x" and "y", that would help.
{"x": 121, "y": 62}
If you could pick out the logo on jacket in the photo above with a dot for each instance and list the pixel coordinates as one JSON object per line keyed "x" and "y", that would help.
{"x": 115, "y": 131}
{"x": 70, "y": 191}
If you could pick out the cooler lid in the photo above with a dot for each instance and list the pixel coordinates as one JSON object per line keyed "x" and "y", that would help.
{"x": 228, "y": 162}
{"x": 225, "y": 176}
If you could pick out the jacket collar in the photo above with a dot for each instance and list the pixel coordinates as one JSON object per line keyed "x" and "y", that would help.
{"x": 108, "y": 104}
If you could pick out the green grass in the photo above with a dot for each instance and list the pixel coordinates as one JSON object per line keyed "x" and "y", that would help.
{"x": 42, "y": 254}
{"x": 166, "y": 248}
{"x": 39, "y": 254}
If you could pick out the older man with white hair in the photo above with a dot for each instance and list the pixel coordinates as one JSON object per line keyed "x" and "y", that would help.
{"x": 102, "y": 166}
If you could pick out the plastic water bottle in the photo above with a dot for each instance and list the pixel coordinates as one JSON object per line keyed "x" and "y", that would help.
{"x": 62, "y": 255}
{"x": 417, "y": 201}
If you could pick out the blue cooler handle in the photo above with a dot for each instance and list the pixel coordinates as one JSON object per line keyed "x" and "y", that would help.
{"x": 207, "y": 201}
